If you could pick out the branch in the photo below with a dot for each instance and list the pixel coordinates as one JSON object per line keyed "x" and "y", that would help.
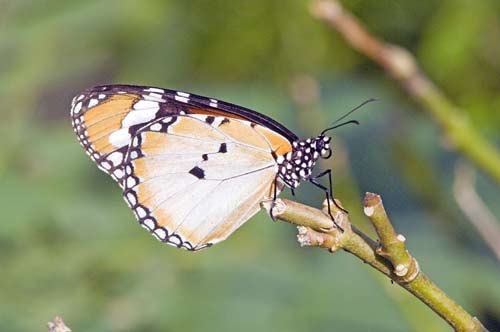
{"x": 474, "y": 208}
{"x": 315, "y": 228}
{"x": 58, "y": 325}
{"x": 392, "y": 245}
{"x": 400, "y": 64}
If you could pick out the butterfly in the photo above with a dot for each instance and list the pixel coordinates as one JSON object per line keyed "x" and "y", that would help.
{"x": 193, "y": 169}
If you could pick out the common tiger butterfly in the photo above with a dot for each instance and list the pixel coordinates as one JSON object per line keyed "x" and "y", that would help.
{"x": 193, "y": 169}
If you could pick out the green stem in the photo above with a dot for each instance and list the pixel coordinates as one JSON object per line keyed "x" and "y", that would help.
{"x": 392, "y": 245}
{"x": 402, "y": 65}
{"x": 460, "y": 132}
{"x": 421, "y": 286}
{"x": 315, "y": 228}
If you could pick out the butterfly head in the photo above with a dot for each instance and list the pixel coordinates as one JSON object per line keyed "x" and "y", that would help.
{"x": 323, "y": 146}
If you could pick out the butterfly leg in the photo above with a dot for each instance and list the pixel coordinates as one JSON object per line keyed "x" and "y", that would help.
{"x": 330, "y": 186}
{"x": 328, "y": 191}
{"x": 275, "y": 196}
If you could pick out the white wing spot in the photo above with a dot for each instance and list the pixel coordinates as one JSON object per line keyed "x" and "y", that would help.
{"x": 120, "y": 138}
{"x": 106, "y": 165}
{"x": 154, "y": 90}
{"x": 217, "y": 121}
{"x": 160, "y": 232}
{"x": 140, "y": 212}
{"x": 155, "y": 127}
{"x": 144, "y": 104}
{"x": 150, "y": 224}
{"x": 118, "y": 173}
{"x": 175, "y": 240}
{"x": 131, "y": 182}
{"x": 142, "y": 116}
{"x": 155, "y": 95}
{"x": 93, "y": 102}
{"x": 131, "y": 199}
{"x": 183, "y": 94}
{"x": 77, "y": 108}
{"x": 182, "y": 99}
{"x": 116, "y": 158}
{"x": 135, "y": 142}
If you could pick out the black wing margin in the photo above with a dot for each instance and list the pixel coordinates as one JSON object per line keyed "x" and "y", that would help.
{"x": 182, "y": 99}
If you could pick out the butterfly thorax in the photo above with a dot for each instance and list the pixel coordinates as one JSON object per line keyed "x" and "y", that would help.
{"x": 297, "y": 165}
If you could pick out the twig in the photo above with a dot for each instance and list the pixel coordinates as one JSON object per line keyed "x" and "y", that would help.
{"x": 58, "y": 325}
{"x": 399, "y": 63}
{"x": 474, "y": 208}
{"x": 392, "y": 245}
{"x": 316, "y": 229}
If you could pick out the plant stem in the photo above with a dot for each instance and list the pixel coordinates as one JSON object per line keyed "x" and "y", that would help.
{"x": 317, "y": 229}
{"x": 403, "y": 66}
{"x": 392, "y": 245}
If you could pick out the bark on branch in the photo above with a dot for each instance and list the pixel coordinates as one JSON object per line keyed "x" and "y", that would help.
{"x": 389, "y": 255}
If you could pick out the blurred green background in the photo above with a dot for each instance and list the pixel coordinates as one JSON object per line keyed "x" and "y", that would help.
{"x": 70, "y": 246}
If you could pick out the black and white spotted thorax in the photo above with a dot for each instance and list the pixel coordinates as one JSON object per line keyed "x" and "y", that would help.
{"x": 297, "y": 165}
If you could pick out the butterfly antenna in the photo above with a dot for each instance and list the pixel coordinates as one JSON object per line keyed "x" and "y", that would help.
{"x": 340, "y": 125}
{"x": 347, "y": 114}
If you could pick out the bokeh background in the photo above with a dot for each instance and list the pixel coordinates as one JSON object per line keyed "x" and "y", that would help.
{"x": 70, "y": 246}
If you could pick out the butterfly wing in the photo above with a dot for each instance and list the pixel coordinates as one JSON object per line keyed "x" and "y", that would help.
{"x": 105, "y": 118}
{"x": 191, "y": 183}
{"x": 192, "y": 168}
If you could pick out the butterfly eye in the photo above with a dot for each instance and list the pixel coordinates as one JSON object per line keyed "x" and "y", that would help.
{"x": 326, "y": 152}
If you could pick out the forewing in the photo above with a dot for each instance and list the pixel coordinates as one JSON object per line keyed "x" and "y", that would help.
{"x": 105, "y": 118}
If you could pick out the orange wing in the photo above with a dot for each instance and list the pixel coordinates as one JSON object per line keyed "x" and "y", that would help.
{"x": 106, "y": 118}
